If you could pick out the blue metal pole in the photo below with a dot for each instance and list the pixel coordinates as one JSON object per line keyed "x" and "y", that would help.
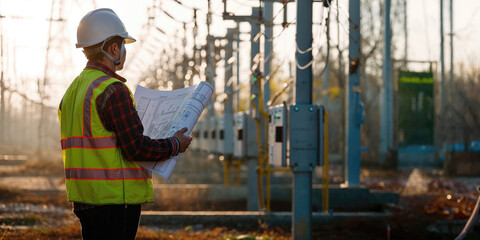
{"x": 228, "y": 121}
{"x": 355, "y": 107}
{"x": 386, "y": 119}
{"x": 237, "y": 61}
{"x": 268, "y": 15}
{"x": 302, "y": 173}
{"x": 210, "y": 73}
{"x": 254, "y": 54}
{"x": 268, "y": 55}
{"x": 303, "y": 55}
{"x": 302, "y": 205}
{"x": 252, "y": 201}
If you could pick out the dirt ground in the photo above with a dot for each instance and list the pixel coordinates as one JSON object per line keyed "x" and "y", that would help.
{"x": 432, "y": 206}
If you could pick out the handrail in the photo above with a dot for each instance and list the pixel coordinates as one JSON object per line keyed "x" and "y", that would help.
{"x": 472, "y": 220}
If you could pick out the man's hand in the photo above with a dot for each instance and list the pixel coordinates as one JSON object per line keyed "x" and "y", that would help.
{"x": 184, "y": 140}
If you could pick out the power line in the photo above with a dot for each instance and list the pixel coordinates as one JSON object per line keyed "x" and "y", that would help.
{"x": 241, "y": 3}
{"x": 345, "y": 29}
{"x": 327, "y": 28}
{"x": 279, "y": 11}
{"x": 171, "y": 16}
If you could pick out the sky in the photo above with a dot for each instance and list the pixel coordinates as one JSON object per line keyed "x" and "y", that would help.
{"x": 25, "y": 31}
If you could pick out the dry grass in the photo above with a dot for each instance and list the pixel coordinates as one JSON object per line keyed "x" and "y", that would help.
{"x": 72, "y": 231}
{"x": 12, "y": 195}
{"x": 44, "y": 167}
{"x": 37, "y": 167}
{"x": 68, "y": 232}
{"x": 215, "y": 233}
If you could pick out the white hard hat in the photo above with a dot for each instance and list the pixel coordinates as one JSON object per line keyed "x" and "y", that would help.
{"x": 99, "y": 25}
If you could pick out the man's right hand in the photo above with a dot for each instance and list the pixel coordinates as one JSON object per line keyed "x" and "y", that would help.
{"x": 184, "y": 140}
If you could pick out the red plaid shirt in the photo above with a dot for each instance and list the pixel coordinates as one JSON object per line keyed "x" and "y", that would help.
{"x": 116, "y": 110}
{"x": 117, "y": 113}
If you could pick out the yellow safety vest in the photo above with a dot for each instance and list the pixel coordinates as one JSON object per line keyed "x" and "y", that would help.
{"x": 96, "y": 171}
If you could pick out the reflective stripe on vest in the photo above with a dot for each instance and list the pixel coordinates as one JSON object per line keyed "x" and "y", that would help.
{"x": 89, "y": 142}
{"x": 107, "y": 174}
{"x": 87, "y": 105}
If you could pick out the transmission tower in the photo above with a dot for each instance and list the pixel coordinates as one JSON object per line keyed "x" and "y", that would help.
{"x": 58, "y": 66}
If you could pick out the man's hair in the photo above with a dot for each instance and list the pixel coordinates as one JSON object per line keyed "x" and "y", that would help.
{"x": 93, "y": 53}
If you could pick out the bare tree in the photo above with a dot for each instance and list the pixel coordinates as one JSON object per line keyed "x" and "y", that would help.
{"x": 463, "y": 122}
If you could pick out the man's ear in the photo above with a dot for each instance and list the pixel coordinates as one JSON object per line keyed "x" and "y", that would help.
{"x": 113, "y": 48}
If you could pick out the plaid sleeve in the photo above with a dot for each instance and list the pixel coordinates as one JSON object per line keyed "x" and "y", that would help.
{"x": 118, "y": 114}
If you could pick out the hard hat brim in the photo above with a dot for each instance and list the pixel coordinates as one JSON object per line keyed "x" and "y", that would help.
{"x": 126, "y": 36}
{"x": 130, "y": 39}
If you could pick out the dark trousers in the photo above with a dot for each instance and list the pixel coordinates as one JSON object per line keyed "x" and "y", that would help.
{"x": 110, "y": 222}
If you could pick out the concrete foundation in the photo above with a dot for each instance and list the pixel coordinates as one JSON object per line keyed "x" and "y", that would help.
{"x": 251, "y": 219}
{"x": 340, "y": 198}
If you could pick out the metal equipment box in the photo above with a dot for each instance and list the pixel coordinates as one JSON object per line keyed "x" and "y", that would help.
{"x": 245, "y": 136}
{"x": 304, "y": 134}
{"x": 219, "y": 133}
{"x": 239, "y": 134}
{"x": 277, "y": 136}
{"x": 227, "y": 134}
{"x": 212, "y": 135}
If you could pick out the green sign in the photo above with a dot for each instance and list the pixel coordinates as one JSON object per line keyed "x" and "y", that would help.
{"x": 415, "y": 108}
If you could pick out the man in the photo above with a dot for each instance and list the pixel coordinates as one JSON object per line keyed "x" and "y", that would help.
{"x": 102, "y": 136}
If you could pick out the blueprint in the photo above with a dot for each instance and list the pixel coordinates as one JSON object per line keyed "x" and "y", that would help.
{"x": 165, "y": 112}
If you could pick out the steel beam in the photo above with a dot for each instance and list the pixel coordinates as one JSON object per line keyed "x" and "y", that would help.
{"x": 354, "y": 104}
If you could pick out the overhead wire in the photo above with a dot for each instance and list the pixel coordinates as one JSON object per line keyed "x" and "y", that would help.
{"x": 269, "y": 55}
{"x": 297, "y": 47}
{"x": 320, "y": 31}
{"x": 350, "y": 22}
{"x": 242, "y": 3}
{"x": 304, "y": 52}
{"x": 171, "y": 16}
{"x": 190, "y": 7}
{"x": 146, "y": 29}
{"x": 279, "y": 11}
{"x": 270, "y": 39}
{"x": 323, "y": 29}
{"x": 284, "y": 25}
{"x": 288, "y": 84}
{"x": 327, "y": 29}
{"x": 284, "y": 89}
